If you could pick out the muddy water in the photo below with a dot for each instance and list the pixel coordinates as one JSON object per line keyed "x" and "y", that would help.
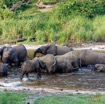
{"x": 84, "y": 79}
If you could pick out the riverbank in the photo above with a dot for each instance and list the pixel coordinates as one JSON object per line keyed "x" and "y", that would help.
{"x": 75, "y": 46}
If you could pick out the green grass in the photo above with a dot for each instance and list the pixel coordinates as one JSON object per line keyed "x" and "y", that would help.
{"x": 21, "y": 98}
{"x": 12, "y": 98}
{"x": 71, "y": 99}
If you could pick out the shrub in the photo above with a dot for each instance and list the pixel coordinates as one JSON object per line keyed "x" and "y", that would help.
{"x": 99, "y": 28}
{"x": 89, "y": 8}
{"x": 40, "y": 36}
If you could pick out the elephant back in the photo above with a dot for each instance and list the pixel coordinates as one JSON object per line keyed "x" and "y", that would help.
{"x": 72, "y": 57}
{"x": 88, "y": 57}
{"x": 21, "y": 51}
{"x": 61, "y": 50}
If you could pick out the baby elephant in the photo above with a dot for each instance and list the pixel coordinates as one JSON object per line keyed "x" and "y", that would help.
{"x": 99, "y": 67}
{"x": 34, "y": 65}
{"x": 3, "y": 70}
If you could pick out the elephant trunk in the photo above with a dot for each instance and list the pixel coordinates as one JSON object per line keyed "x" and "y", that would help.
{"x": 37, "y": 51}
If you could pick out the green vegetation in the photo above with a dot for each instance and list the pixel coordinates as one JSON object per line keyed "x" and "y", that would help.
{"x": 71, "y": 21}
{"x": 12, "y": 98}
{"x": 22, "y": 98}
{"x": 71, "y": 99}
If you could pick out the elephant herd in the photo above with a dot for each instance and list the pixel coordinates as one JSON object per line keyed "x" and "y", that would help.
{"x": 55, "y": 59}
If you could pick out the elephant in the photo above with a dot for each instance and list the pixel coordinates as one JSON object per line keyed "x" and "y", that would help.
{"x": 50, "y": 62}
{"x": 99, "y": 67}
{"x": 3, "y": 69}
{"x": 63, "y": 66}
{"x": 68, "y": 62}
{"x": 16, "y": 55}
{"x": 90, "y": 57}
{"x": 31, "y": 66}
{"x": 61, "y": 63}
{"x": 53, "y": 49}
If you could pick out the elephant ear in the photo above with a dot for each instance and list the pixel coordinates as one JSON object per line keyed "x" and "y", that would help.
{"x": 12, "y": 54}
{"x": 42, "y": 64}
{"x": 52, "y": 50}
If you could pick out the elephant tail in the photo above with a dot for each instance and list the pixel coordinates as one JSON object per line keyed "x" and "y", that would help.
{"x": 35, "y": 54}
{"x": 53, "y": 65}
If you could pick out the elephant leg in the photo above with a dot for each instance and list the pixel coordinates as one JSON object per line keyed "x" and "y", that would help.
{"x": 27, "y": 75}
{"x": 22, "y": 76}
{"x": 38, "y": 73}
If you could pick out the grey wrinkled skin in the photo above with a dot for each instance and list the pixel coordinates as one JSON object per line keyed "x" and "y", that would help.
{"x": 53, "y": 49}
{"x": 32, "y": 66}
{"x": 90, "y": 57}
{"x": 99, "y": 67}
{"x": 68, "y": 62}
{"x": 3, "y": 70}
{"x": 50, "y": 62}
{"x": 16, "y": 55}
{"x": 61, "y": 63}
{"x": 2, "y": 49}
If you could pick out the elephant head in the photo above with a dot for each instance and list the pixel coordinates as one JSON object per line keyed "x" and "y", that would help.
{"x": 9, "y": 56}
{"x": 42, "y": 50}
{"x": 6, "y": 55}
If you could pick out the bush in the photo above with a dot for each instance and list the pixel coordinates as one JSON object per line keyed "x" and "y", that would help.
{"x": 8, "y": 3}
{"x": 99, "y": 28}
{"x": 89, "y": 8}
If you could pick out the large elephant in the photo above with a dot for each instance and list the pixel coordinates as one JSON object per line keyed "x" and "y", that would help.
{"x": 3, "y": 70}
{"x": 16, "y": 55}
{"x": 90, "y": 57}
{"x": 68, "y": 62}
{"x": 53, "y": 49}
{"x": 32, "y": 66}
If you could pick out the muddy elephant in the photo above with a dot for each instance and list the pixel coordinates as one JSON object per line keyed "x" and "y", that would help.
{"x": 32, "y": 66}
{"x": 16, "y": 55}
{"x": 53, "y": 49}
{"x": 99, "y": 67}
{"x": 61, "y": 63}
{"x": 3, "y": 70}
{"x": 90, "y": 57}
{"x": 68, "y": 62}
{"x": 50, "y": 62}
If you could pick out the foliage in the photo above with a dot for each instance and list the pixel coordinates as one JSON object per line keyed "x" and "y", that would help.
{"x": 12, "y": 98}
{"x": 8, "y": 3}
{"x": 71, "y": 99}
{"x": 89, "y": 8}
{"x": 99, "y": 29}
